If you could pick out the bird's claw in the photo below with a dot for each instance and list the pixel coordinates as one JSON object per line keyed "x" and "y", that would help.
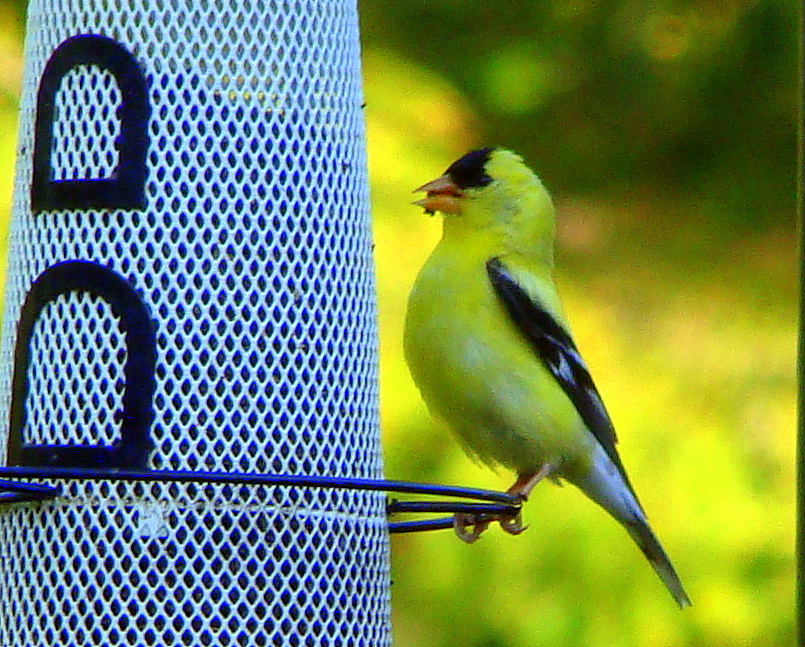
{"x": 462, "y": 521}
{"x": 479, "y": 523}
{"x": 512, "y": 525}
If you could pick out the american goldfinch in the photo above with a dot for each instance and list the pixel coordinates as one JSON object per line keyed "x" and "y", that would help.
{"x": 490, "y": 350}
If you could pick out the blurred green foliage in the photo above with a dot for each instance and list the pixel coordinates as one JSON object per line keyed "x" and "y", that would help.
{"x": 666, "y": 132}
{"x": 681, "y": 95}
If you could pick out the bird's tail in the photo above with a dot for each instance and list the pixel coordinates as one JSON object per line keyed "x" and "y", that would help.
{"x": 607, "y": 485}
{"x": 647, "y": 541}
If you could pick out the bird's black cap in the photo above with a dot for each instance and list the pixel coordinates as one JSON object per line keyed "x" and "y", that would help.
{"x": 468, "y": 172}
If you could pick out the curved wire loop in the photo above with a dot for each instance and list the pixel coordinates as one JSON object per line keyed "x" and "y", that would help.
{"x": 481, "y": 502}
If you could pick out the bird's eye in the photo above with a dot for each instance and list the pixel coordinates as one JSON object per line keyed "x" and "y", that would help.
{"x": 468, "y": 172}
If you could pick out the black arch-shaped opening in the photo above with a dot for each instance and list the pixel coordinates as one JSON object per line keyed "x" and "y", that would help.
{"x": 125, "y": 189}
{"x": 140, "y": 338}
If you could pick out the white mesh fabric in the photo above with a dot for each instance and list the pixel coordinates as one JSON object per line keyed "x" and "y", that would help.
{"x": 76, "y": 405}
{"x": 253, "y": 256}
{"x": 86, "y": 126}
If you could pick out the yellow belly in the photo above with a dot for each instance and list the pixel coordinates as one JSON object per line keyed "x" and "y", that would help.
{"x": 476, "y": 371}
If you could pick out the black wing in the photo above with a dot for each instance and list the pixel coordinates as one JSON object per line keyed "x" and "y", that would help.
{"x": 556, "y": 350}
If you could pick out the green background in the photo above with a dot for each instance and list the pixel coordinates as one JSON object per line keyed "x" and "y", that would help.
{"x": 666, "y": 132}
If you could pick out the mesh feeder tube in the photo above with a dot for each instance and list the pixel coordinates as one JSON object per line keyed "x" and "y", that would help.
{"x": 190, "y": 287}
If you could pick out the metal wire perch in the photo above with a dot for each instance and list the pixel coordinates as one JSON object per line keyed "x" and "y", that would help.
{"x": 481, "y": 501}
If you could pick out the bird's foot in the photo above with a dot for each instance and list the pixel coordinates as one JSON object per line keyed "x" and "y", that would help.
{"x": 462, "y": 521}
{"x": 513, "y": 525}
{"x": 480, "y": 522}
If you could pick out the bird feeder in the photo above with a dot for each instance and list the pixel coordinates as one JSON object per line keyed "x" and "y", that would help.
{"x": 190, "y": 292}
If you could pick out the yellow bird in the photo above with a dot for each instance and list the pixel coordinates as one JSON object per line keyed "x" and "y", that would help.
{"x": 490, "y": 350}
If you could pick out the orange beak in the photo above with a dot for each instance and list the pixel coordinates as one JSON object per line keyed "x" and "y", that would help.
{"x": 443, "y": 195}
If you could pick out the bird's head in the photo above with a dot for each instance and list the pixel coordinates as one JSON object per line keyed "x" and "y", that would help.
{"x": 492, "y": 189}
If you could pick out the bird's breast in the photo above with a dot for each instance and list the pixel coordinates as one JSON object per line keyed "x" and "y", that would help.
{"x": 477, "y": 372}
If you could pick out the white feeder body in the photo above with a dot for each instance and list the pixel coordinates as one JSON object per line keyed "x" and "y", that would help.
{"x": 190, "y": 287}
